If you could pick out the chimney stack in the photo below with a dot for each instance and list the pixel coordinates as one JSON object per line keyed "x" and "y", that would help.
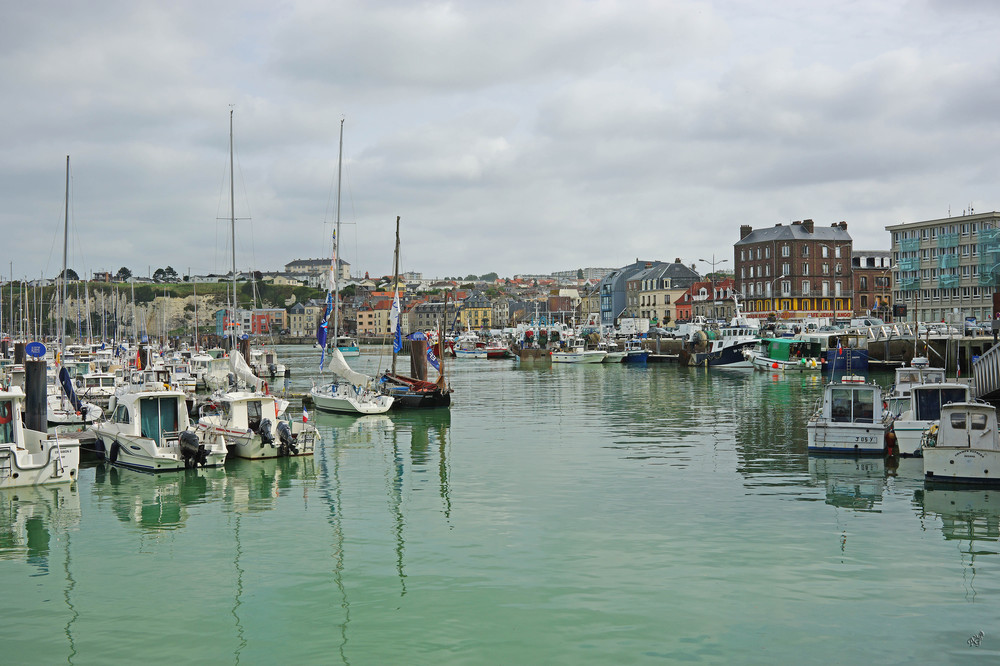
{"x": 808, "y": 226}
{"x": 745, "y": 230}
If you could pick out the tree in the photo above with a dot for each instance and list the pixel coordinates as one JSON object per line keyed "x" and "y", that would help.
{"x": 70, "y": 274}
{"x": 159, "y": 274}
{"x": 579, "y": 274}
{"x": 490, "y": 277}
{"x": 123, "y": 274}
{"x": 170, "y": 274}
{"x": 258, "y": 276}
{"x": 470, "y": 278}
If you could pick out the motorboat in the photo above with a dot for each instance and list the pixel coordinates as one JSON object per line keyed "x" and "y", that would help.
{"x": 850, "y": 419}
{"x": 32, "y": 457}
{"x": 922, "y": 408}
{"x": 469, "y": 346}
{"x": 634, "y": 352}
{"x": 785, "y": 355}
{"x": 250, "y": 424}
{"x": 577, "y": 352}
{"x": 149, "y": 429}
{"x": 348, "y": 346}
{"x": 963, "y": 446}
{"x": 615, "y": 354}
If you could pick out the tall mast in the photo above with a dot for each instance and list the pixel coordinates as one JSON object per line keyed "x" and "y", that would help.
{"x": 336, "y": 241}
{"x": 195, "y": 314}
{"x": 62, "y": 304}
{"x": 395, "y": 288}
{"x": 232, "y": 227}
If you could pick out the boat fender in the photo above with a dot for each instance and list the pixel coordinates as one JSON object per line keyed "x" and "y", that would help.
{"x": 890, "y": 442}
{"x": 266, "y": 390}
{"x": 113, "y": 455}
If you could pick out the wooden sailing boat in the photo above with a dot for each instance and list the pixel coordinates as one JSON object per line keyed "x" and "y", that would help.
{"x": 414, "y": 392}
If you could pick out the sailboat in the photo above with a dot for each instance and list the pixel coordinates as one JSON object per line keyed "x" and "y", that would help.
{"x": 349, "y": 392}
{"x": 413, "y": 392}
{"x": 64, "y": 407}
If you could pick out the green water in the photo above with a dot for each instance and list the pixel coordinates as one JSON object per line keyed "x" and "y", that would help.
{"x": 566, "y": 515}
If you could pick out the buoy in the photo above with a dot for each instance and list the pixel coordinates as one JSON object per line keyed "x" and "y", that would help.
{"x": 774, "y": 365}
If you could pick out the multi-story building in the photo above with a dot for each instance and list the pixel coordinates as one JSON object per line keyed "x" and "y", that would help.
{"x": 476, "y": 312}
{"x": 946, "y": 268}
{"x": 872, "y": 273}
{"x": 425, "y": 316}
{"x": 303, "y": 317}
{"x": 798, "y": 270}
{"x": 613, "y": 290}
{"x": 710, "y": 299}
{"x": 652, "y": 293}
{"x": 318, "y": 266}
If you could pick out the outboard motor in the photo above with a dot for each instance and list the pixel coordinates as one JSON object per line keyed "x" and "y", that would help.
{"x": 273, "y": 369}
{"x": 264, "y": 430}
{"x": 192, "y": 451}
{"x": 287, "y": 446}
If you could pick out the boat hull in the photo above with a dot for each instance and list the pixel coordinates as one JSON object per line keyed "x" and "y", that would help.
{"x": 846, "y": 438}
{"x": 952, "y": 465}
{"x": 345, "y": 400}
{"x": 143, "y": 454}
{"x": 579, "y": 357}
{"x": 50, "y": 464}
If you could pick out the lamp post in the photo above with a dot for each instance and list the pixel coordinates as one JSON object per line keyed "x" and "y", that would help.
{"x": 771, "y": 292}
{"x": 711, "y": 279}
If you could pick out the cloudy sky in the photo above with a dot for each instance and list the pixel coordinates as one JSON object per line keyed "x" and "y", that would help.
{"x": 516, "y": 137}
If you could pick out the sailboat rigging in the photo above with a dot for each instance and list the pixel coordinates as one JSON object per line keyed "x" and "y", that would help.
{"x": 349, "y": 392}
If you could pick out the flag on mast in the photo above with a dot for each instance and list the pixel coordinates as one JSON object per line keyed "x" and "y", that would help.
{"x": 395, "y": 325}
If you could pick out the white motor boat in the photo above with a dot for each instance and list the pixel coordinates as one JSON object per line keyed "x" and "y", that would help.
{"x": 922, "y": 407}
{"x": 963, "y": 446}
{"x": 251, "y": 426}
{"x": 31, "y": 457}
{"x": 851, "y": 419}
{"x": 148, "y": 429}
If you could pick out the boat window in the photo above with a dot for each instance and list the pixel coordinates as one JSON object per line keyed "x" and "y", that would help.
{"x": 158, "y": 415}
{"x": 253, "y": 414}
{"x": 958, "y": 421}
{"x": 121, "y": 414}
{"x": 840, "y": 405}
{"x": 6, "y": 421}
{"x": 91, "y": 382}
{"x": 977, "y": 422}
{"x": 108, "y": 381}
{"x": 864, "y": 406}
{"x": 908, "y": 377}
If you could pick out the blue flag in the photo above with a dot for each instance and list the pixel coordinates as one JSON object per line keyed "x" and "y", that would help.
{"x": 431, "y": 356}
{"x": 396, "y": 325}
{"x": 321, "y": 330}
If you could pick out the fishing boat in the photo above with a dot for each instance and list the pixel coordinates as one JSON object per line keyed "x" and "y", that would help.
{"x": 615, "y": 354}
{"x": 850, "y": 419}
{"x": 634, "y": 352}
{"x": 249, "y": 423}
{"x": 149, "y": 430}
{"x": 348, "y": 346}
{"x": 722, "y": 347}
{"x": 468, "y": 345}
{"x": 349, "y": 392}
{"x": 963, "y": 446}
{"x": 785, "y": 355}
{"x": 920, "y": 408}
{"x": 576, "y": 352}
{"x": 30, "y": 457}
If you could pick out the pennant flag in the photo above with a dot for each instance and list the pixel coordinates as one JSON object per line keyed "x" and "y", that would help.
{"x": 321, "y": 330}
{"x": 395, "y": 325}
{"x": 432, "y": 358}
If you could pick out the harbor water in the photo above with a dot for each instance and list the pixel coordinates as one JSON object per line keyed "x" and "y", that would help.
{"x": 553, "y": 515}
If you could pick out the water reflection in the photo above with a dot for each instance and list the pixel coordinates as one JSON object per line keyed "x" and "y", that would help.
{"x": 851, "y": 483}
{"x": 970, "y": 518}
{"x": 156, "y": 502}
{"x": 256, "y": 485}
{"x": 32, "y": 517}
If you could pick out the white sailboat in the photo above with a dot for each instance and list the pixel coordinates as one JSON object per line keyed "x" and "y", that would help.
{"x": 349, "y": 392}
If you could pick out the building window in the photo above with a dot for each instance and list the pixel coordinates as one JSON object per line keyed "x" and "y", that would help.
{"x": 824, "y": 251}
{"x": 786, "y": 269}
{"x": 826, "y": 269}
{"x": 863, "y": 282}
{"x": 805, "y": 269}
{"x": 786, "y": 250}
{"x": 805, "y": 287}
{"x": 767, "y": 252}
{"x": 805, "y": 250}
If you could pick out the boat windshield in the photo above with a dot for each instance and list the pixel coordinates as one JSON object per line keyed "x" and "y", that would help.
{"x": 6, "y": 421}
{"x": 929, "y": 401}
{"x": 852, "y": 405}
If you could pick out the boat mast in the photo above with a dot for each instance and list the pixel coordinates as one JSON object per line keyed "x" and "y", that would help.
{"x": 232, "y": 228}
{"x": 195, "y": 284}
{"x": 395, "y": 290}
{"x": 336, "y": 246}
{"x": 62, "y": 304}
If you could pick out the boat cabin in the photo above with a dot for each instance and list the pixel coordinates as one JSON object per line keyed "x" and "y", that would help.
{"x": 970, "y": 425}
{"x": 853, "y": 401}
{"x": 789, "y": 349}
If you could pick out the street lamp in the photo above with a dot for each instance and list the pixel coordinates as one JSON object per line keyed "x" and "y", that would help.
{"x": 711, "y": 279}
{"x": 771, "y": 291}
